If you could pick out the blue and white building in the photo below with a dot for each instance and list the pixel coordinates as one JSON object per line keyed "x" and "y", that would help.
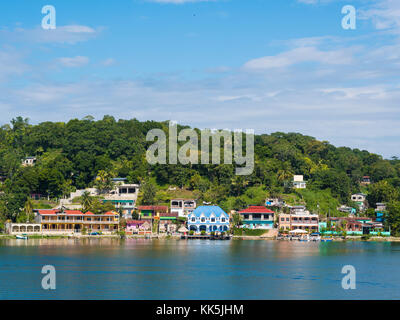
{"x": 208, "y": 219}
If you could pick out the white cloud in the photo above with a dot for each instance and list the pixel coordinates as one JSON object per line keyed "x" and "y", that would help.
{"x": 70, "y": 34}
{"x": 385, "y": 14}
{"x": 299, "y": 55}
{"x": 11, "y": 64}
{"x": 77, "y": 61}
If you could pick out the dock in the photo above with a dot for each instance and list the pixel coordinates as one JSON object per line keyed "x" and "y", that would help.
{"x": 207, "y": 237}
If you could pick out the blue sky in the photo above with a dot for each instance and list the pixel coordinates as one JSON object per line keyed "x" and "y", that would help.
{"x": 266, "y": 65}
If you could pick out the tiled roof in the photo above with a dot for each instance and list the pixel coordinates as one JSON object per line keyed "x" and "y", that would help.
{"x": 208, "y": 210}
{"x": 166, "y": 214}
{"x": 111, "y": 213}
{"x": 155, "y": 208}
{"x": 73, "y": 212}
{"x": 47, "y": 211}
{"x": 256, "y": 209}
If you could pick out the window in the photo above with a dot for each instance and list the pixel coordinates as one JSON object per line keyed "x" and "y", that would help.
{"x": 212, "y": 219}
{"x": 203, "y": 219}
{"x": 222, "y": 219}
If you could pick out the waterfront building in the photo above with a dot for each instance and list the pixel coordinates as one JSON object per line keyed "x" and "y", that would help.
{"x": 298, "y": 182}
{"x": 138, "y": 227}
{"x": 66, "y": 221}
{"x": 150, "y": 212}
{"x": 183, "y": 206}
{"x": 358, "y": 225}
{"x": 257, "y": 217}
{"x": 167, "y": 226}
{"x": 208, "y": 219}
{"x": 25, "y": 228}
{"x": 123, "y": 197}
{"x": 299, "y": 218}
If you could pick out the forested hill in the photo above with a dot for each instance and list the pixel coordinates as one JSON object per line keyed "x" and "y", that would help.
{"x": 70, "y": 155}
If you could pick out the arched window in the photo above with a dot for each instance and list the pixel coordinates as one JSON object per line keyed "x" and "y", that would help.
{"x": 222, "y": 219}
{"x": 203, "y": 219}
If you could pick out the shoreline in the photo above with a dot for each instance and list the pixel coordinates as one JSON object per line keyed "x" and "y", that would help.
{"x": 176, "y": 237}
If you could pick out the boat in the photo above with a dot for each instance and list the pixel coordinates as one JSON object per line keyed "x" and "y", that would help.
{"x": 315, "y": 236}
{"x": 23, "y": 237}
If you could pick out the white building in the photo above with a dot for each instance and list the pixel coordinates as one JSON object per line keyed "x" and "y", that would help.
{"x": 183, "y": 206}
{"x": 298, "y": 182}
{"x": 29, "y": 161}
{"x": 299, "y": 218}
{"x": 358, "y": 197}
{"x": 124, "y": 197}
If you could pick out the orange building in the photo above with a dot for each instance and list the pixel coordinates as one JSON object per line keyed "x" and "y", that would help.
{"x": 76, "y": 221}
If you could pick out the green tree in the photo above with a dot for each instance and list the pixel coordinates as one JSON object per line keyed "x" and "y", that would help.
{"x": 237, "y": 219}
{"x": 393, "y": 217}
{"x": 381, "y": 191}
{"x": 149, "y": 192}
{"x": 86, "y": 201}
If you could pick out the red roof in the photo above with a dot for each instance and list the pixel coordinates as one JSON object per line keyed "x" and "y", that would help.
{"x": 154, "y": 208}
{"x": 256, "y": 209}
{"x": 111, "y": 213}
{"x": 47, "y": 212}
{"x": 172, "y": 214}
{"x": 73, "y": 212}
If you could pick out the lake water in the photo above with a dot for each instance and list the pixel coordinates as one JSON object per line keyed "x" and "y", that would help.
{"x": 197, "y": 269}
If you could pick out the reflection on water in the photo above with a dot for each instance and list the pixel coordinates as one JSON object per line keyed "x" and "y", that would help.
{"x": 198, "y": 269}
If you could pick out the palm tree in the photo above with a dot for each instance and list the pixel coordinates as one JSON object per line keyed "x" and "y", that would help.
{"x": 284, "y": 174}
{"x": 86, "y": 201}
{"x": 28, "y": 208}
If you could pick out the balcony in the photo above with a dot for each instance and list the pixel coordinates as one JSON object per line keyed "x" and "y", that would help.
{"x": 79, "y": 221}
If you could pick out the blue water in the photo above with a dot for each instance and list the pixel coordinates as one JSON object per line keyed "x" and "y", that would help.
{"x": 197, "y": 269}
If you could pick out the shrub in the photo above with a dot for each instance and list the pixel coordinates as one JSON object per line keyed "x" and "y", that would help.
{"x": 366, "y": 237}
